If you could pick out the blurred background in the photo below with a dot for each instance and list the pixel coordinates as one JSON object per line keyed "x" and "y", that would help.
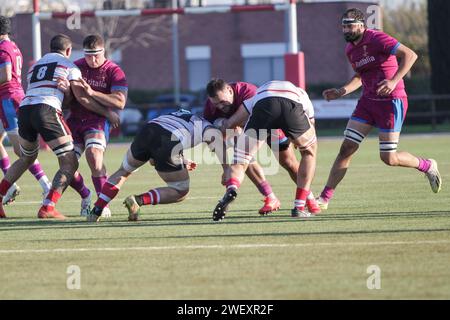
{"x": 169, "y": 59}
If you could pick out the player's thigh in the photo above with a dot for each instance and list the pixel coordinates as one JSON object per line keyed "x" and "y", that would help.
{"x": 388, "y": 143}
{"x": 132, "y": 162}
{"x": 174, "y": 176}
{"x": 354, "y": 134}
{"x": 95, "y": 141}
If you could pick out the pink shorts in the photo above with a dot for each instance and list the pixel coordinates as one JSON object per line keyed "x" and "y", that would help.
{"x": 80, "y": 128}
{"x": 387, "y": 115}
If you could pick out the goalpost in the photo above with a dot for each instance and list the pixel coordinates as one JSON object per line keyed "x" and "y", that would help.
{"x": 294, "y": 63}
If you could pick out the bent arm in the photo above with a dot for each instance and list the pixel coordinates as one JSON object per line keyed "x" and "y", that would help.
{"x": 115, "y": 99}
{"x": 87, "y": 102}
{"x": 407, "y": 58}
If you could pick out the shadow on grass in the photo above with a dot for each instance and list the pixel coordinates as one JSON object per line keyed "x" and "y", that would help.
{"x": 282, "y": 216}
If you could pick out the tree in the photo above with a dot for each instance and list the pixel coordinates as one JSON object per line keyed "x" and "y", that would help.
{"x": 408, "y": 23}
{"x": 439, "y": 44}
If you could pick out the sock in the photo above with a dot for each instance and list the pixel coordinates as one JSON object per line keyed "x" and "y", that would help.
{"x": 232, "y": 184}
{"x": 98, "y": 183}
{"x": 78, "y": 185}
{"x": 327, "y": 193}
{"x": 108, "y": 192}
{"x": 152, "y": 197}
{"x": 310, "y": 196}
{"x": 4, "y": 164}
{"x": 266, "y": 189}
{"x": 300, "y": 198}
{"x": 52, "y": 198}
{"x": 4, "y": 187}
{"x": 37, "y": 171}
{"x": 424, "y": 165}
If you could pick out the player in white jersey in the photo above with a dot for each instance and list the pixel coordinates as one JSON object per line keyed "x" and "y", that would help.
{"x": 161, "y": 142}
{"x": 40, "y": 112}
{"x": 277, "y": 104}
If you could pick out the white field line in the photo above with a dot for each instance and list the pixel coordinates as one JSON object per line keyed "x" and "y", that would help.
{"x": 231, "y": 246}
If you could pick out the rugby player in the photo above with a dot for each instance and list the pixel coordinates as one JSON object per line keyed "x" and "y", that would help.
{"x": 224, "y": 100}
{"x": 383, "y": 105}
{"x": 11, "y": 94}
{"x": 276, "y": 105}
{"x": 105, "y": 83}
{"x": 161, "y": 143}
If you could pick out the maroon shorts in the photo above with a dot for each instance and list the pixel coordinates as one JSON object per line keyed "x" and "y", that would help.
{"x": 80, "y": 128}
{"x": 387, "y": 115}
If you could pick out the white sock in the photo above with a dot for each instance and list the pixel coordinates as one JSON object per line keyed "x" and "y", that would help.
{"x": 45, "y": 183}
{"x": 272, "y": 196}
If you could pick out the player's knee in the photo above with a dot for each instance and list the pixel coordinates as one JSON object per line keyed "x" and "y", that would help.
{"x": 288, "y": 163}
{"x": 181, "y": 187}
{"x": 68, "y": 162}
{"x": 29, "y": 155}
{"x": 389, "y": 158}
{"x": 94, "y": 158}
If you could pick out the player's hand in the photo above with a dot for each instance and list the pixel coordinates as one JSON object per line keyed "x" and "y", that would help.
{"x": 189, "y": 164}
{"x": 87, "y": 87}
{"x": 333, "y": 94}
{"x": 114, "y": 119}
{"x": 63, "y": 84}
{"x": 386, "y": 87}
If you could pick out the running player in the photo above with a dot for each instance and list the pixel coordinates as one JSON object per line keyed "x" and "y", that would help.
{"x": 40, "y": 113}
{"x": 276, "y": 105}
{"x": 224, "y": 100}
{"x": 11, "y": 94}
{"x": 104, "y": 82}
{"x": 161, "y": 142}
{"x": 373, "y": 56}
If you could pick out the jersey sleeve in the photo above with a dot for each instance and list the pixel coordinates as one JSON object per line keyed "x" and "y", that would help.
{"x": 386, "y": 44}
{"x": 4, "y": 59}
{"x": 118, "y": 80}
{"x": 74, "y": 74}
{"x": 248, "y": 91}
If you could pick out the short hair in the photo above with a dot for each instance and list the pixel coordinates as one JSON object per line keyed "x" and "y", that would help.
{"x": 214, "y": 86}
{"x": 60, "y": 43}
{"x": 5, "y": 25}
{"x": 92, "y": 41}
{"x": 354, "y": 13}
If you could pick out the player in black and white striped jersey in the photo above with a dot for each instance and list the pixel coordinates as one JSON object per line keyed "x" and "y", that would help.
{"x": 161, "y": 142}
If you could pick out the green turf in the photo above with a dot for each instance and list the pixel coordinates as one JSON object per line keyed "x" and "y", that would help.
{"x": 380, "y": 216}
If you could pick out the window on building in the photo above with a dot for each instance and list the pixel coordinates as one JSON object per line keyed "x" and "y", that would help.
{"x": 198, "y": 59}
{"x": 263, "y": 62}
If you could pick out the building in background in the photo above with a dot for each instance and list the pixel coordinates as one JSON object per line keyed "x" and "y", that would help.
{"x": 246, "y": 46}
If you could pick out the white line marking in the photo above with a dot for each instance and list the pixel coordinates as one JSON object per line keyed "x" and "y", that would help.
{"x": 232, "y": 246}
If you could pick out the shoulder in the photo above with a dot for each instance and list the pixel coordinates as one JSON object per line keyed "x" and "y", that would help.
{"x": 112, "y": 66}
{"x": 80, "y": 62}
{"x": 246, "y": 86}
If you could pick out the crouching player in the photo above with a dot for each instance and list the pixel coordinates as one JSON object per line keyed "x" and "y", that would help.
{"x": 161, "y": 142}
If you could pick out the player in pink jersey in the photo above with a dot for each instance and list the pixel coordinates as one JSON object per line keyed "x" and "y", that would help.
{"x": 224, "y": 100}
{"x": 373, "y": 56}
{"x": 11, "y": 94}
{"x": 104, "y": 82}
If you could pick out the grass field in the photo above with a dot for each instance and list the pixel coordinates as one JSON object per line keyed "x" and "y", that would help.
{"x": 380, "y": 216}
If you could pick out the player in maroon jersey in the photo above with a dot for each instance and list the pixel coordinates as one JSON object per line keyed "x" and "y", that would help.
{"x": 373, "y": 56}
{"x": 11, "y": 94}
{"x": 104, "y": 82}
